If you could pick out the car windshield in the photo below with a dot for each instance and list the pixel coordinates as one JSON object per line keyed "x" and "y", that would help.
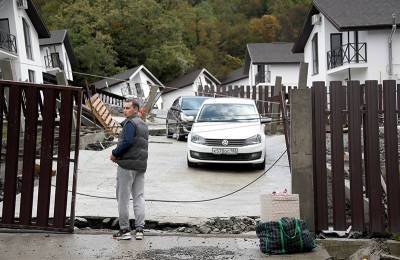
{"x": 228, "y": 112}
{"x": 192, "y": 103}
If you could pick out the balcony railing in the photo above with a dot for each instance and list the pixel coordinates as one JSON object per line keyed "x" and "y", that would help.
{"x": 53, "y": 61}
{"x": 348, "y": 53}
{"x": 8, "y": 42}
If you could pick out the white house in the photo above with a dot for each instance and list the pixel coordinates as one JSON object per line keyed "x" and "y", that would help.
{"x": 237, "y": 77}
{"x": 265, "y": 61}
{"x": 20, "y": 30}
{"x": 134, "y": 82}
{"x": 187, "y": 85}
{"x": 351, "y": 40}
{"x": 57, "y": 53}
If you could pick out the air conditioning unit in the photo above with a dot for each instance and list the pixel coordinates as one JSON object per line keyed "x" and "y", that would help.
{"x": 22, "y": 4}
{"x": 316, "y": 19}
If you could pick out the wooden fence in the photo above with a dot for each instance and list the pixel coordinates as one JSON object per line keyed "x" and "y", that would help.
{"x": 48, "y": 120}
{"x": 355, "y": 130}
{"x": 263, "y": 95}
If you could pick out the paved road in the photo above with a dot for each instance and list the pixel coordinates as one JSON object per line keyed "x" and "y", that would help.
{"x": 78, "y": 246}
{"x": 168, "y": 177}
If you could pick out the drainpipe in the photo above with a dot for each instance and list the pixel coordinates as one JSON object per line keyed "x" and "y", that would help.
{"x": 390, "y": 46}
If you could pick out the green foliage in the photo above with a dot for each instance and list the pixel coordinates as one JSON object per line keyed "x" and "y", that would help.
{"x": 170, "y": 37}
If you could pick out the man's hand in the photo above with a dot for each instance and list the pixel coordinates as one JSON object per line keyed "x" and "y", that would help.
{"x": 113, "y": 158}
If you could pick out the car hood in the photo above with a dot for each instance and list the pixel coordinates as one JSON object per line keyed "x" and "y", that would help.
{"x": 227, "y": 130}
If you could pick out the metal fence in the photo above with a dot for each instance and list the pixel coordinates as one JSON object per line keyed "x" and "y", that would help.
{"x": 38, "y": 133}
{"x": 366, "y": 116}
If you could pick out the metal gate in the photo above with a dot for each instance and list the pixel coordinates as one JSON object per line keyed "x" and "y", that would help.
{"x": 367, "y": 116}
{"x": 39, "y": 131}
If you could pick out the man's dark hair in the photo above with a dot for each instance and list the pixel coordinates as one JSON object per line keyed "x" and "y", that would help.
{"x": 134, "y": 103}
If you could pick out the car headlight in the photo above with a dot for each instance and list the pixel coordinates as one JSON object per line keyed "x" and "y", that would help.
{"x": 186, "y": 118}
{"x": 197, "y": 139}
{"x": 256, "y": 139}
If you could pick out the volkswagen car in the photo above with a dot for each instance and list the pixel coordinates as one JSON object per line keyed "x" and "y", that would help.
{"x": 227, "y": 130}
{"x": 181, "y": 115}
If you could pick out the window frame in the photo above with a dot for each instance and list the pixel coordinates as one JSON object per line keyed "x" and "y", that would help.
{"x": 27, "y": 39}
{"x": 31, "y": 76}
{"x": 314, "y": 52}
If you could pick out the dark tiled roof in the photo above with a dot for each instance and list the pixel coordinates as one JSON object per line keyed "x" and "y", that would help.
{"x": 235, "y": 75}
{"x": 37, "y": 21}
{"x": 187, "y": 80}
{"x": 271, "y": 53}
{"x": 60, "y": 37}
{"x": 351, "y": 15}
{"x": 121, "y": 76}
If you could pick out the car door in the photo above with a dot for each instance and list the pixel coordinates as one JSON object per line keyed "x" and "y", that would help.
{"x": 171, "y": 116}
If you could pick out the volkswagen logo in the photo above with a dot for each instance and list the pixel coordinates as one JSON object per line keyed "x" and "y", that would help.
{"x": 225, "y": 142}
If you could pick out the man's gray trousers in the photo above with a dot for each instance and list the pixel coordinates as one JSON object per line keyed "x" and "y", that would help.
{"x": 130, "y": 182}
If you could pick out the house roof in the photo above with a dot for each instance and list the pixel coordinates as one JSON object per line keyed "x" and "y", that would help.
{"x": 60, "y": 37}
{"x": 126, "y": 75}
{"x": 37, "y": 21}
{"x": 235, "y": 75}
{"x": 350, "y": 15}
{"x": 270, "y": 53}
{"x": 187, "y": 80}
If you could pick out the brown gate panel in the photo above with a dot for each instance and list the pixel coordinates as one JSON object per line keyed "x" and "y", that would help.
{"x": 56, "y": 111}
{"x": 376, "y": 211}
{"x": 31, "y": 124}
{"x": 319, "y": 150}
{"x": 391, "y": 155}
{"x": 11, "y": 169}
{"x": 355, "y": 156}
{"x": 337, "y": 102}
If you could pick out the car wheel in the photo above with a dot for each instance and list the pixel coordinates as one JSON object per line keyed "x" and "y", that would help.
{"x": 168, "y": 131}
{"x": 191, "y": 164}
{"x": 178, "y": 133}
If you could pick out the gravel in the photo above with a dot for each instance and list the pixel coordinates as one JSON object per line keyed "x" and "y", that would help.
{"x": 192, "y": 253}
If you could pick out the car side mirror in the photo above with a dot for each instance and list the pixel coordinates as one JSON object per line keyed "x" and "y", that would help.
{"x": 265, "y": 120}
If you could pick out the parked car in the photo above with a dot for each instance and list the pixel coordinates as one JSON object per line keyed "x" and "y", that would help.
{"x": 181, "y": 115}
{"x": 227, "y": 130}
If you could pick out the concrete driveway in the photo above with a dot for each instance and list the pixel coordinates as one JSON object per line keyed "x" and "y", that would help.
{"x": 169, "y": 178}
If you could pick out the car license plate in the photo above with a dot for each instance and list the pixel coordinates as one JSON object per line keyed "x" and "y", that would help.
{"x": 224, "y": 150}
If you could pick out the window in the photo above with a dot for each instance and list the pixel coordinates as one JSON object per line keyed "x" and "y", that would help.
{"x": 139, "y": 90}
{"x": 336, "y": 50}
{"x": 31, "y": 74}
{"x": 315, "y": 53}
{"x": 260, "y": 77}
{"x": 27, "y": 36}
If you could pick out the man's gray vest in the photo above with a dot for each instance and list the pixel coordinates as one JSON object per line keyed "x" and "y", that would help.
{"x": 135, "y": 158}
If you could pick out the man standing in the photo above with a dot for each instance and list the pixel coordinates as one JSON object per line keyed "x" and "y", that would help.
{"x": 131, "y": 156}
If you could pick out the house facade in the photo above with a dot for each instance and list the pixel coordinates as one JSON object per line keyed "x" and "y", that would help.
{"x": 135, "y": 82}
{"x": 265, "y": 61}
{"x": 20, "y": 30}
{"x": 362, "y": 43}
{"x": 57, "y": 54}
{"x": 187, "y": 85}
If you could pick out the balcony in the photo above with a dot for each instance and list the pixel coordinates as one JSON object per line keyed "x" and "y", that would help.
{"x": 8, "y": 43}
{"x": 347, "y": 54}
{"x": 53, "y": 61}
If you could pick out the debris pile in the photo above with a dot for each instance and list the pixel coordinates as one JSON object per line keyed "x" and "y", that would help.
{"x": 231, "y": 225}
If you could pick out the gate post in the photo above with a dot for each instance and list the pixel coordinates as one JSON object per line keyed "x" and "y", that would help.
{"x": 301, "y": 153}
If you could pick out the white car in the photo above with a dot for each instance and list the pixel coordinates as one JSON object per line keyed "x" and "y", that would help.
{"x": 227, "y": 130}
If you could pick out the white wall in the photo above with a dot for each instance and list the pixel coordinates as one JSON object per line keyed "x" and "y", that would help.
{"x": 288, "y": 72}
{"x": 376, "y": 67}
{"x": 170, "y": 97}
{"x": 22, "y": 64}
{"x": 139, "y": 77}
{"x": 60, "y": 48}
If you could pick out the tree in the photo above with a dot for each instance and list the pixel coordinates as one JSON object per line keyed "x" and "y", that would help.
{"x": 265, "y": 29}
